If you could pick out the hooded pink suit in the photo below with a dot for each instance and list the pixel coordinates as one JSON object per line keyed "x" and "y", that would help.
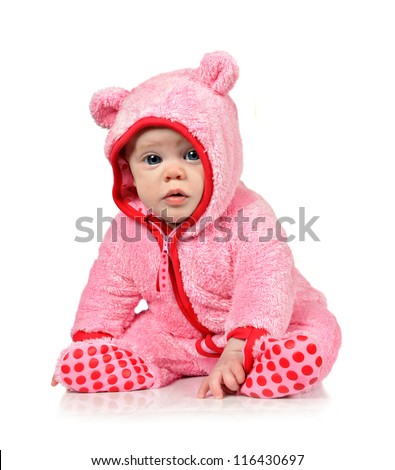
{"x": 225, "y": 272}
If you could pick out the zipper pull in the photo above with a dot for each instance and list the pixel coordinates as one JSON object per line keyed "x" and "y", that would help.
{"x": 163, "y": 280}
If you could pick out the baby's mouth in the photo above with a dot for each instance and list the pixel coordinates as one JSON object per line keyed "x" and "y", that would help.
{"x": 175, "y": 196}
{"x": 177, "y": 193}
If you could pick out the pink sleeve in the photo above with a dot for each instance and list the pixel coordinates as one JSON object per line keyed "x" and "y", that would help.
{"x": 263, "y": 293}
{"x": 108, "y": 301}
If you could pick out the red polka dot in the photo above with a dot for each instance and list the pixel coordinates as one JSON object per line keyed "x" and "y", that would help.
{"x": 261, "y": 381}
{"x": 95, "y": 375}
{"x": 126, "y": 373}
{"x": 267, "y": 393}
{"x": 262, "y": 348}
{"x": 112, "y": 379}
{"x": 114, "y": 348}
{"x": 163, "y": 285}
{"x": 272, "y": 340}
{"x": 104, "y": 349}
{"x": 259, "y": 368}
{"x": 93, "y": 363}
{"x": 318, "y": 361}
{"x": 118, "y": 355}
{"x": 298, "y": 357}
{"x": 66, "y": 357}
{"x": 164, "y": 278}
{"x": 140, "y": 379}
{"x": 277, "y": 378}
{"x": 298, "y": 386}
{"x": 129, "y": 385}
{"x": 113, "y": 389}
{"x": 122, "y": 363}
{"x": 313, "y": 381}
{"x": 271, "y": 366}
{"x": 65, "y": 369}
{"x": 163, "y": 270}
{"x": 284, "y": 363}
{"x": 268, "y": 354}
{"x": 301, "y": 337}
{"x": 68, "y": 381}
{"x": 307, "y": 370}
{"x": 107, "y": 358}
{"x": 97, "y": 385}
{"x": 137, "y": 369}
{"x": 290, "y": 344}
{"x": 311, "y": 348}
{"x": 145, "y": 368}
{"x": 254, "y": 395}
{"x": 83, "y": 390}
{"x": 129, "y": 353}
{"x": 292, "y": 375}
{"x": 77, "y": 353}
{"x": 149, "y": 375}
{"x": 79, "y": 367}
{"x": 249, "y": 382}
{"x": 92, "y": 351}
{"x": 276, "y": 349}
{"x": 80, "y": 380}
{"x": 109, "y": 369}
{"x": 133, "y": 360}
{"x": 283, "y": 389}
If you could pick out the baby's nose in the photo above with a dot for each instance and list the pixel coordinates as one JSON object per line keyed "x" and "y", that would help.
{"x": 174, "y": 171}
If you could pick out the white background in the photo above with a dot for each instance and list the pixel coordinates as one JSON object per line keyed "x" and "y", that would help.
{"x": 317, "y": 112}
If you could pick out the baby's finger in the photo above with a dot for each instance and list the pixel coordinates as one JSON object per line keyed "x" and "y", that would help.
{"x": 215, "y": 382}
{"x": 239, "y": 374}
{"x": 54, "y": 381}
{"x": 230, "y": 381}
{"x": 204, "y": 388}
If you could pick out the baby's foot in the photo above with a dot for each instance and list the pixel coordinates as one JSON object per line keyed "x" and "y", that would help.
{"x": 287, "y": 366}
{"x": 95, "y": 366}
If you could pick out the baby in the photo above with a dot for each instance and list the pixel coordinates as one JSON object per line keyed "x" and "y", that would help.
{"x": 224, "y": 298}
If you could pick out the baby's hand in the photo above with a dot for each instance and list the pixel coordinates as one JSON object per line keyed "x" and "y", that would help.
{"x": 228, "y": 374}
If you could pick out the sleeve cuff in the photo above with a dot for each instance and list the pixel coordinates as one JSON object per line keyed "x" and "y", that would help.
{"x": 250, "y": 334}
{"x": 83, "y": 336}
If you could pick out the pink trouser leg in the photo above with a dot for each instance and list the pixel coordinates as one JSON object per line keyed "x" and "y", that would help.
{"x": 285, "y": 367}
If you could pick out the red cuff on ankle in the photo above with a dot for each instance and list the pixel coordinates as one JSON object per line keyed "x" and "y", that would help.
{"x": 83, "y": 335}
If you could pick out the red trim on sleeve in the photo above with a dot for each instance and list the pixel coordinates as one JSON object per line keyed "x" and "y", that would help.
{"x": 83, "y": 335}
{"x": 250, "y": 334}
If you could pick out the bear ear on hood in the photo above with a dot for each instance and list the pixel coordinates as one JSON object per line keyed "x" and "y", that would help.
{"x": 219, "y": 70}
{"x": 105, "y": 104}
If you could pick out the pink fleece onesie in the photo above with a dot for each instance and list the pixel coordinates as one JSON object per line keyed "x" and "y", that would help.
{"x": 222, "y": 273}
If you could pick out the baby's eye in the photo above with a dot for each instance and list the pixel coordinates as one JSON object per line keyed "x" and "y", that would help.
{"x": 192, "y": 156}
{"x": 152, "y": 159}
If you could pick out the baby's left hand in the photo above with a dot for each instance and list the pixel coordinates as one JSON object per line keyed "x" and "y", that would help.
{"x": 228, "y": 374}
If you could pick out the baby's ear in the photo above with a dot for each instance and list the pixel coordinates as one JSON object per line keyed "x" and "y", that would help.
{"x": 105, "y": 104}
{"x": 219, "y": 70}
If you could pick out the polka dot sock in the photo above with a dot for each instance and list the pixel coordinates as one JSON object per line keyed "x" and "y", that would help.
{"x": 102, "y": 367}
{"x": 287, "y": 366}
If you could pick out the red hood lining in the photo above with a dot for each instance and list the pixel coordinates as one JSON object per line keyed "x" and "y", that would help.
{"x": 116, "y": 162}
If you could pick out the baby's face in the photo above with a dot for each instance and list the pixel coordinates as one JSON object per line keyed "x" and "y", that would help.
{"x": 167, "y": 173}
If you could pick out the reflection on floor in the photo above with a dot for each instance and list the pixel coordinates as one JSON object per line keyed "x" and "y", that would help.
{"x": 180, "y": 397}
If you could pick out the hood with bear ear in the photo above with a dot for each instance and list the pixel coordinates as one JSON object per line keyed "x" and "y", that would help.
{"x": 195, "y": 103}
